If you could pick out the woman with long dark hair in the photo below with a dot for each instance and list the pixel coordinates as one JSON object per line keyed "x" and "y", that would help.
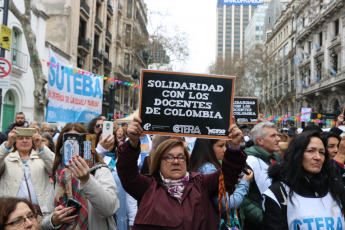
{"x": 93, "y": 188}
{"x": 307, "y": 191}
{"x": 206, "y": 158}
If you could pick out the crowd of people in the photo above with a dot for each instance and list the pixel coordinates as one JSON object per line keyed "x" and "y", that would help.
{"x": 259, "y": 178}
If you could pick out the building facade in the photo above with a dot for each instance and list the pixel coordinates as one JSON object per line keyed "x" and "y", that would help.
{"x": 231, "y": 23}
{"x": 320, "y": 49}
{"x": 19, "y": 97}
{"x": 98, "y": 36}
{"x": 305, "y": 65}
{"x": 278, "y": 91}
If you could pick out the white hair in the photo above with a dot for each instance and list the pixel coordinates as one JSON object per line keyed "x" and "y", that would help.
{"x": 258, "y": 130}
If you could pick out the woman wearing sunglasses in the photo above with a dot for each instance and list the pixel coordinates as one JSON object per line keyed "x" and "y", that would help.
{"x": 17, "y": 213}
{"x": 95, "y": 126}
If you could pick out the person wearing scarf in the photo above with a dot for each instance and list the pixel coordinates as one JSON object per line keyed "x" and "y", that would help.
{"x": 170, "y": 197}
{"x": 96, "y": 192}
{"x": 307, "y": 191}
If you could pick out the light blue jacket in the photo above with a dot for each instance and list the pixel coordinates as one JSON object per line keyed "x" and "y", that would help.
{"x": 236, "y": 198}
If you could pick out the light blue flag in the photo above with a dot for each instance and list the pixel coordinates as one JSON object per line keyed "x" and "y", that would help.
{"x": 318, "y": 79}
{"x": 333, "y": 71}
{"x": 316, "y": 46}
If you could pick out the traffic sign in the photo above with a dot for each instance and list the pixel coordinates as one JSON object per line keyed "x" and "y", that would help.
{"x": 5, "y": 37}
{"x": 5, "y": 83}
{"x": 5, "y": 67}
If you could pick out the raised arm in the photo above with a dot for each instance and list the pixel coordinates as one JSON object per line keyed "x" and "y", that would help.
{"x": 134, "y": 183}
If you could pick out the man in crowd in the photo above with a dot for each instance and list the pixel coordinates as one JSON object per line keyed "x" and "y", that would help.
{"x": 260, "y": 157}
{"x": 19, "y": 121}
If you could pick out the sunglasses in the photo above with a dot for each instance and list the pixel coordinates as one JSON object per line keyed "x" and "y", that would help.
{"x": 99, "y": 125}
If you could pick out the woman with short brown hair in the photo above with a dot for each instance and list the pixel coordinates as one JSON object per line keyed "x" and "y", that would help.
{"x": 171, "y": 197}
{"x": 17, "y": 213}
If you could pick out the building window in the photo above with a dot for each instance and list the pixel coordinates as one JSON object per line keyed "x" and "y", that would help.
{"x": 309, "y": 47}
{"x": 126, "y": 63}
{"x": 320, "y": 39}
{"x": 129, "y": 8}
{"x": 292, "y": 43}
{"x": 336, "y": 27}
{"x": 292, "y": 67}
{"x": 128, "y": 32}
{"x": 293, "y": 24}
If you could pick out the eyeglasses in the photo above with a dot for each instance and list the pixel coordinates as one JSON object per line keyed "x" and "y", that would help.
{"x": 20, "y": 222}
{"x": 171, "y": 159}
{"x": 99, "y": 125}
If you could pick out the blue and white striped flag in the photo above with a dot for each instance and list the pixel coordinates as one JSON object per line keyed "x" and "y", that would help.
{"x": 333, "y": 70}
{"x": 316, "y": 46}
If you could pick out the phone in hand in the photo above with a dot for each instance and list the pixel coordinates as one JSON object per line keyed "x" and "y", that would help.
{"x": 25, "y": 132}
{"x": 74, "y": 204}
{"x": 108, "y": 129}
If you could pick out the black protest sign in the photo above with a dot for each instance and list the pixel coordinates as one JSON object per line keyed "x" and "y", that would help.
{"x": 246, "y": 109}
{"x": 186, "y": 104}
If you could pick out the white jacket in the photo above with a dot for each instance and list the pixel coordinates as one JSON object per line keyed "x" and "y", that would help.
{"x": 102, "y": 201}
{"x": 12, "y": 172}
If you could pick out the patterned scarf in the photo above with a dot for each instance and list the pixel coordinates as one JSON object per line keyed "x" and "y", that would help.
{"x": 68, "y": 186}
{"x": 176, "y": 187}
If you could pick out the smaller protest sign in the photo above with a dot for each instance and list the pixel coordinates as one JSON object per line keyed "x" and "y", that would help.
{"x": 246, "y": 109}
{"x": 186, "y": 104}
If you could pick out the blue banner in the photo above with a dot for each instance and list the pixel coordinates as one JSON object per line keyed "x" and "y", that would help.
{"x": 242, "y": 2}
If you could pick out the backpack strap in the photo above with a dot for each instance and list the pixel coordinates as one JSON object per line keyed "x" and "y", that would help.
{"x": 95, "y": 167}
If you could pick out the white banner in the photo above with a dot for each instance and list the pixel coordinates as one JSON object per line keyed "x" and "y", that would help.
{"x": 74, "y": 94}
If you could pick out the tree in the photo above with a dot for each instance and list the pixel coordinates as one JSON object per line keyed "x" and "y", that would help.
{"x": 164, "y": 44}
{"x": 40, "y": 100}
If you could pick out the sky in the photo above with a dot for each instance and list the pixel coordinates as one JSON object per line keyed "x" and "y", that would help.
{"x": 197, "y": 18}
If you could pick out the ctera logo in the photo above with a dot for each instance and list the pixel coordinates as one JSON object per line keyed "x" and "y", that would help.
{"x": 187, "y": 129}
{"x": 147, "y": 126}
{"x": 215, "y": 131}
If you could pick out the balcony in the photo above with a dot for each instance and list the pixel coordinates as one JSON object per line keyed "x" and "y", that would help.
{"x": 108, "y": 36}
{"x": 110, "y": 8}
{"x": 118, "y": 39}
{"x": 84, "y": 8}
{"x": 98, "y": 24}
{"x": 107, "y": 66}
{"x": 119, "y": 8}
{"x": 335, "y": 42}
{"x": 19, "y": 59}
{"x": 97, "y": 58}
{"x": 83, "y": 46}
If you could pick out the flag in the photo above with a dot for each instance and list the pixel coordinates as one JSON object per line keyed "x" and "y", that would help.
{"x": 297, "y": 60}
{"x": 333, "y": 71}
{"x": 303, "y": 84}
{"x": 296, "y": 86}
{"x": 300, "y": 21}
{"x": 316, "y": 46}
{"x": 331, "y": 35}
{"x": 305, "y": 53}
{"x": 318, "y": 79}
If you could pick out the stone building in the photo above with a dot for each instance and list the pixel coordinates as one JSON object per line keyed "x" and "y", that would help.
{"x": 278, "y": 93}
{"x": 305, "y": 62}
{"x": 97, "y": 37}
{"x": 321, "y": 70}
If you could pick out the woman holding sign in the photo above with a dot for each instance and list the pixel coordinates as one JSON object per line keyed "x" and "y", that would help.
{"x": 172, "y": 198}
{"x": 25, "y": 163}
{"x": 82, "y": 198}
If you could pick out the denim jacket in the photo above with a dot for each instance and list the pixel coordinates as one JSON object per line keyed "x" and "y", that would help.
{"x": 235, "y": 199}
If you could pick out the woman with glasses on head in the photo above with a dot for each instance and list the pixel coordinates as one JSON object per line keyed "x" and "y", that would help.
{"x": 17, "y": 213}
{"x": 171, "y": 197}
{"x": 95, "y": 126}
{"x": 25, "y": 163}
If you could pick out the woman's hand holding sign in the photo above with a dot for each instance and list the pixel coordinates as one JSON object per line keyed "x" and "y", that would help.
{"x": 134, "y": 131}
{"x": 235, "y": 135}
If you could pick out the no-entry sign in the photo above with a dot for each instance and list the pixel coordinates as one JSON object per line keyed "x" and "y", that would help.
{"x": 5, "y": 67}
